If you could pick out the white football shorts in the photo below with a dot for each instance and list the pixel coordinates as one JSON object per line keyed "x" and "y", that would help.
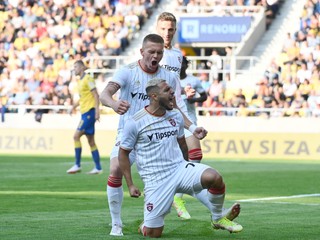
{"x": 158, "y": 200}
{"x": 115, "y": 150}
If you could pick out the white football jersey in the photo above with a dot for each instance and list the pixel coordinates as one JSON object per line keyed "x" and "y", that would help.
{"x": 172, "y": 60}
{"x": 154, "y": 140}
{"x": 133, "y": 80}
{"x": 194, "y": 83}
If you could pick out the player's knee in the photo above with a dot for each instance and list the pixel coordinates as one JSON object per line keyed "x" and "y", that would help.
{"x": 195, "y": 155}
{"x": 91, "y": 143}
{"x": 116, "y": 172}
{"x": 76, "y": 137}
{"x": 154, "y": 232}
{"x": 212, "y": 179}
{"x": 115, "y": 168}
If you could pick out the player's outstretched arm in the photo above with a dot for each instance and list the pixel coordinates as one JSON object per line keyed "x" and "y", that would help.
{"x": 106, "y": 98}
{"x": 125, "y": 167}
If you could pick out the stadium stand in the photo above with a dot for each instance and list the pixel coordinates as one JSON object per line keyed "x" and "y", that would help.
{"x": 294, "y": 72}
{"x": 40, "y": 40}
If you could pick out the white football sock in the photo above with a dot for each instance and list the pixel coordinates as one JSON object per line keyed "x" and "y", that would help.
{"x": 216, "y": 201}
{"x": 115, "y": 198}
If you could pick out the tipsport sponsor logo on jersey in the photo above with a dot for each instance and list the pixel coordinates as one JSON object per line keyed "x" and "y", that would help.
{"x": 171, "y": 68}
{"x": 162, "y": 135}
{"x": 140, "y": 96}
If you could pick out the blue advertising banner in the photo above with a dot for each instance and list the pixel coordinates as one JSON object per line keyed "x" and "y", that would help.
{"x": 212, "y": 29}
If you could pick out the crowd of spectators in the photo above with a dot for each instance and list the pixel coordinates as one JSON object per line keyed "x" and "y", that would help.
{"x": 41, "y": 39}
{"x": 291, "y": 84}
{"x": 220, "y": 7}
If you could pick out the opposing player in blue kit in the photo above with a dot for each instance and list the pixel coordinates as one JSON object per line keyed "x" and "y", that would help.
{"x": 89, "y": 108}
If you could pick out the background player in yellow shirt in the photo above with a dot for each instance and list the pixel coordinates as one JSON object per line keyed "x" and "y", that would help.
{"x": 89, "y": 108}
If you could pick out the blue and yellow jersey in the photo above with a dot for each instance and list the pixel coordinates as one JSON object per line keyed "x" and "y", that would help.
{"x": 85, "y": 86}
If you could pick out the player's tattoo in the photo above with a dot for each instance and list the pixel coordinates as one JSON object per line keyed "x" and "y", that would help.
{"x": 113, "y": 86}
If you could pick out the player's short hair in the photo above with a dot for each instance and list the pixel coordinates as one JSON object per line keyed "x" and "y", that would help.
{"x": 153, "y": 85}
{"x": 166, "y": 16}
{"x": 154, "y": 38}
{"x": 81, "y": 63}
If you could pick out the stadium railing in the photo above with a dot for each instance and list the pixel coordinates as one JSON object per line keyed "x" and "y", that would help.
{"x": 115, "y": 62}
{"x": 226, "y": 10}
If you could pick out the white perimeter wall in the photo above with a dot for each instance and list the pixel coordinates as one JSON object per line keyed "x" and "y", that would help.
{"x": 228, "y": 138}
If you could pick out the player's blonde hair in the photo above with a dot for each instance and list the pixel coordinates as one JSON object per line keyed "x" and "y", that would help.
{"x": 153, "y": 85}
{"x": 166, "y": 16}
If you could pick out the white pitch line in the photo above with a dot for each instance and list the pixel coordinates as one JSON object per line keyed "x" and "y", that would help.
{"x": 282, "y": 197}
{"x": 304, "y": 204}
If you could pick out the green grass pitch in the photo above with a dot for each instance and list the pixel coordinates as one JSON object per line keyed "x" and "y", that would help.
{"x": 38, "y": 200}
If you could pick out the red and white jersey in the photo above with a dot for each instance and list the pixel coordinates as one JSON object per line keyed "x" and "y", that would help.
{"x": 133, "y": 80}
{"x": 171, "y": 60}
{"x": 194, "y": 83}
{"x": 154, "y": 139}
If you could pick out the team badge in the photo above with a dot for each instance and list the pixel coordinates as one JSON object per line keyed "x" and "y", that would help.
{"x": 179, "y": 59}
{"x": 149, "y": 207}
{"x": 172, "y": 122}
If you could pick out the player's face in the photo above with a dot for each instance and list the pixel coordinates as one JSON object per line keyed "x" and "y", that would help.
{"x": 166, "y": 29}
{"x": 166, "y": 96}
{"x": 152, "y": 54}
{"x": 77, "y": 68}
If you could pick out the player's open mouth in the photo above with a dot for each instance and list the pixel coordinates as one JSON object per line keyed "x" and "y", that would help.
{"x": 154, "y": 63}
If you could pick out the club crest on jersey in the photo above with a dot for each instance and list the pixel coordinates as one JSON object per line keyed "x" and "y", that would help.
{"x": 149, "y": 207}
{"x": 179, "y": 59}
{"x": 172, "y": 122}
